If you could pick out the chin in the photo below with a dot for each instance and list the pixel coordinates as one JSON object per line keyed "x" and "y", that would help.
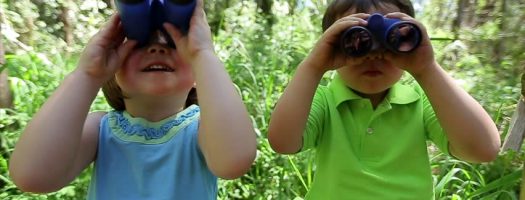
{"x": 168, "y": 91}
{"x": 159, "y": 91}
{"x": 371, "y": 89}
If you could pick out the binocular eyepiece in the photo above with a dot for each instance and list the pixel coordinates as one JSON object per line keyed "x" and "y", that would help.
{"x": 142, "y": 18}
{"x": 393, "y": 34}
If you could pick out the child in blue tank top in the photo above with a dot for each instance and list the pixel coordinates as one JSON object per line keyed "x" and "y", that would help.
{"x": 157, "y": 143}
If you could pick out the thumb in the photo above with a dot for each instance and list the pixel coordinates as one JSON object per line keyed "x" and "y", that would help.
{"x": 173, "y": 31}
{"x": 124, "y": 50}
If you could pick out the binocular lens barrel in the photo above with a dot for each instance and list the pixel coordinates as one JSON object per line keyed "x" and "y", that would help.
{"x": 132, "y": 1}
{"x": 404, "y": 37}
{"x": 142, "y": 18}
{"x": 181, "y": 2}
{"x": 392, "y": 34}
{"x": 357, "y": 41}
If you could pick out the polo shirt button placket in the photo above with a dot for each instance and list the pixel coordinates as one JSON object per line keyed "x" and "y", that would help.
{"x": 369, "y": 130}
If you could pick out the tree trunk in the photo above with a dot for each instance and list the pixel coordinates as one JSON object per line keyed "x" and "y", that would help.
{"x": 456, "y": 24}
{"x": 66, "y": 16}
{"x": 110, "y": 4}
{"x": 6, "y": 100}
{"x": 293, "y": 5}
{"x": 522, "y": 185}
{"x": 27, "y": 37}
{"x": 265, "y": 6}
{"x": 499, "y": 47}
{"x": 216, "y": 15}
{"x": 486, "y": 11}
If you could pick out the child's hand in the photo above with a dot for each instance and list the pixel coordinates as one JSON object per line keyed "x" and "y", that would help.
{"x": 326, "y": 54}
{"x": 105, "y": 51}
{"x": 198, "y": 39}
{"x": 416, "y": 61}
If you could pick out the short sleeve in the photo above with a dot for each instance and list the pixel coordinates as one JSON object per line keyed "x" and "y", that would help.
{"x": 434, "y": 131}
{"x": 316, "y": 117}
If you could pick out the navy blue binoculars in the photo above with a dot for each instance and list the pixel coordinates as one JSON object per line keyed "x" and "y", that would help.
{"x": 393, "y": 34}
{"x": 142, "y": 18}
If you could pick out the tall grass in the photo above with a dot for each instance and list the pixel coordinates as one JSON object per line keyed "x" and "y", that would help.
{"x": 261, "y": 61}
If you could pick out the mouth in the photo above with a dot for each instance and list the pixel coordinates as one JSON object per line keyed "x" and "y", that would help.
{"x": 158, "y": 68}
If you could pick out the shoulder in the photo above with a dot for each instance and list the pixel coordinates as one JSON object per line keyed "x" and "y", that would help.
{"x": 322, "y": 93}
{"x": 94, "y": 118}
{"x": 89, "y": 142}
{"x": 322, "y": 98}
{"x": 92, "y": 124}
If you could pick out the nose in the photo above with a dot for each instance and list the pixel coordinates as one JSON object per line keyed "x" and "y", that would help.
{"x": 157, "y": 48}
{"x": 157, "y": 43}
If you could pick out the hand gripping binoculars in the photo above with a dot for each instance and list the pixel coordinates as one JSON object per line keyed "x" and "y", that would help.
{"x": 393, "y": 34}
{"x": 142, "y": 18}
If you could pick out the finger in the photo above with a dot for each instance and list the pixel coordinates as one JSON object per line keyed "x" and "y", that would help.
{"x": 340, "y": 26}
{"x": 125, "y": 49}
{"x": 357, "y": 17}
{"x": 361, "y": 15}
{"x": 107, "y": 34}
{"x": 109, "y": 29}
{"x": 399, "y": 15}
{"x": 200, "y": 5}
{"x": 204, "y": 18}
{"x": 173, "y": 31}
{"x": 405, "y": 17}
{"x": 119, "y": 36}
{"x": 198, "y": 12}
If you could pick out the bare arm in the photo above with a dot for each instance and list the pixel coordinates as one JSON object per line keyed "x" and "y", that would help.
{"x": 472, "y": 134}
{"x": 226, "y": 134}
{"x": 52, "y": 149}
{"x": 288, "y": 120}
{"x": 61, "y": 140}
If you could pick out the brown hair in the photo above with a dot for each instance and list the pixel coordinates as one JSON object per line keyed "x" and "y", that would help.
{"x": 339, "y": 7}
{"x": 115, "y": 98}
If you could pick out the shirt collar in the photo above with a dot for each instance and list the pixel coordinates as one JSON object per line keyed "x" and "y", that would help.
{"x": 398, "y": 93}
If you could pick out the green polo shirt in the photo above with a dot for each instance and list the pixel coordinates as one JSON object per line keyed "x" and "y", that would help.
{"x": 362, "y": 153}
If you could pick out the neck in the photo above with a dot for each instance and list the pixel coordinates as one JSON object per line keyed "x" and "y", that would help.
{"x": 154, "y": 109}
{"x": 375, "y": 99}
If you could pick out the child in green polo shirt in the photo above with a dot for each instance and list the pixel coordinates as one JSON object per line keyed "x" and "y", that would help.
{"x": 369, "y": 130}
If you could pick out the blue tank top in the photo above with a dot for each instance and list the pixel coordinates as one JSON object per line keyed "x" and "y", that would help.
{"x": 138, "y": 159}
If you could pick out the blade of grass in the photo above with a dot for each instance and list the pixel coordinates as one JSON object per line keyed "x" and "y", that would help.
{"x": 297, "y": 172}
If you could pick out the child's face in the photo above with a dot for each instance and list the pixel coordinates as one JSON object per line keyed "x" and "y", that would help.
{"x": 155, "y": 70}
{"x": 372, "y": 74}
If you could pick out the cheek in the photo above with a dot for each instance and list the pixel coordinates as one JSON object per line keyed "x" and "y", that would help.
{"x": 184, "y": 69}
{"x": 123, "y": 81}
{"x": 394, "y": 71}
{"x": 129, "y": 65}
{"x": 186, "y": 79}
{"x": 347, "y": 72}
{"x": 125, "y": 78}
{"x": 134, "y": 57}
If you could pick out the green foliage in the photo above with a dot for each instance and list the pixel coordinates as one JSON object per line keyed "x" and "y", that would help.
{"x": 33, "y": 77}
{"x": 470, "y": 181}
{"x": 260, "y": 65}
{"x": 486, "y": 59}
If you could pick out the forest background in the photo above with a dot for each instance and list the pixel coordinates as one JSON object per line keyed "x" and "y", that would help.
{"x": 479, "y": 42}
